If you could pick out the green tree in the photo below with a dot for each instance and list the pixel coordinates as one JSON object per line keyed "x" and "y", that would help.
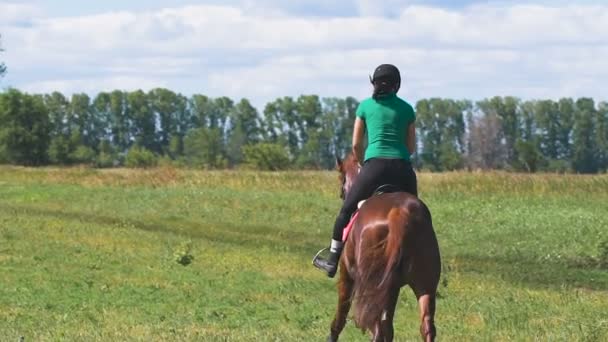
{"x": 25, "y": 129}
{"x": 547, "y": 120}
{"x": 529, "y": 155}
{"x": 506, "y": 108}
{"x": 222, "y": 111}
{"x": 308, "y": 113}
{"x": 341, "y": 131}
{"x": 83, "y": 155}
{"x": 170, "y": 109}
{"x": 554, "y": 122}
{"x": 73, "y": 129}
{"x": 282, "y": 124}
{"x": 311, "y": 136}
{"x": 266, "y": 156}
{"x": 81, "y": 126}
{"x": 441, "y": 128}
{"x": 201, "y": 108}
{"x": 601, "y": 136}
{"x": 58, "y": 108}
{"x": 429, "y": 132}
{"x": 163, "y": 103}
{"x": 143, "y": 128}
{"x": 119, "y": 121}
{"x": 204, "y": 147}
{"x": 214, "y": 114}
{"x": 176, "y": 147}
{"x": 139, "y": 157}
{"x": 272, "y": 125}
{"x": 566, "y": 109}
{"x": 584, "y": 150}
{"x": 100, "y": 125}
{"x": 2, "y": 65}
{"x": 79, "y": 115}
{"x": 60, "y": 150}
{"x": 244, "y": 129}
{"x": 183, "y": 123}
{"x": 106, "y": 155}
{"x": 329, "y": 135}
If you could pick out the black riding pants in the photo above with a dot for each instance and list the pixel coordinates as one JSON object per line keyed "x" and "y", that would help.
{"x": 374, "y": 173}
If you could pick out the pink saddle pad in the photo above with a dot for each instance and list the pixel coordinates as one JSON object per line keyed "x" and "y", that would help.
{"x": 349, "y": 226}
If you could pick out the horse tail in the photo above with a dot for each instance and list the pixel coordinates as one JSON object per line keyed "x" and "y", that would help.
{"x": 376, "y": 277}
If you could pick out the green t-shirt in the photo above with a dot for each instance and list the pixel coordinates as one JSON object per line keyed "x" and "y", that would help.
{"x": 386, "y": 122}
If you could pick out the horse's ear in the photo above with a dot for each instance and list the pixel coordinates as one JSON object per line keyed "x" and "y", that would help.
{"x": 338, "y": 163}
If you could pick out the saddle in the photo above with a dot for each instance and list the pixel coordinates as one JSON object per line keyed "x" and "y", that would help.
{"x": 382, "y": 189}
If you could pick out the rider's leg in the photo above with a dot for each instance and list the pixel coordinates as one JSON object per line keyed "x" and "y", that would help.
{"x": 368, "y": 180}
{"x": 402, "y": 174}
{"x": 411, "y": 181}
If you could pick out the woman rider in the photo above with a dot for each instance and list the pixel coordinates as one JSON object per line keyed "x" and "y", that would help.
{"x": 389, "y": 123}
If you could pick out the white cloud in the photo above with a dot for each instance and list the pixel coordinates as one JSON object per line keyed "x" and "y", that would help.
{"x": 386, "y": 8}
{"x": 18, "y": 14}
{"x": 473, "y": 52}
{"x": 94, "y": 85}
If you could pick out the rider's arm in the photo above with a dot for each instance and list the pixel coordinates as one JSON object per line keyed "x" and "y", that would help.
{"x": 411, "y": 138}
{"x": 358, "y": 135}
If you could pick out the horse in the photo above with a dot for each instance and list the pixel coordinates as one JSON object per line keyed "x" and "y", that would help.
{"x": 392, "y": 244}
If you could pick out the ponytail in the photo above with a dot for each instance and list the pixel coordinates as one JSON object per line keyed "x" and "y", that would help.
{"x": 383, "y": 88}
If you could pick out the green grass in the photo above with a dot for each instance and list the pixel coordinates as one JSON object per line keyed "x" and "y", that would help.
{"x": 92, "y": 255}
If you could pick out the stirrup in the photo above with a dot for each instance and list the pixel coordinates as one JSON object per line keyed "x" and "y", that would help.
{"x": 319, "y": 254}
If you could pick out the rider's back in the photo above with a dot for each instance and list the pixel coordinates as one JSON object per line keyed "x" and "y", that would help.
{"x": 386, "y": 121}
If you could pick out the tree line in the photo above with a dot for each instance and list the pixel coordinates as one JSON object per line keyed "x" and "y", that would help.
{"x": 2, "y": 65}
{"x": 137, "y": 128}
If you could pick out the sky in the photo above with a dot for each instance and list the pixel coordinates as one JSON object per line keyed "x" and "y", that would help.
{"x": 265, "y": 49}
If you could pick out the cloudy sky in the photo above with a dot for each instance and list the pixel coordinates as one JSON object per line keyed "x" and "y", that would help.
{"x": 263, "y": 49}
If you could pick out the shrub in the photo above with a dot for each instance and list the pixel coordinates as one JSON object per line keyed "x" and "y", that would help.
{"x": 83, "y": 154}
{"x": 203, "y": 147}
{"x": 558, "y": 166}
{"x": 266, "y": 156}
{"x": 104, "y": 160}
{"x": 138, "y": 157}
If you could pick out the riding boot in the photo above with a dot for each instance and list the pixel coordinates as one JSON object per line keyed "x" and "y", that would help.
{"x": 331, "y": 264}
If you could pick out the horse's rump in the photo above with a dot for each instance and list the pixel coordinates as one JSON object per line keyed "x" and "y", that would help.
{"x": 379, "y": 253}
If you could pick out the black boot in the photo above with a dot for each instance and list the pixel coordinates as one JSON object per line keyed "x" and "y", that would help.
{"x": 330, "y": 265}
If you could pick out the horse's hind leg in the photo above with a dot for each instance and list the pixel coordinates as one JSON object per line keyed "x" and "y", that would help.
{"x": 384, "y": 331}
{"x": 426, "y": 303}
{"x": 424, "y": 279}
{"x": 387, "y": 319}
{"x": 345, "y": 291}
{"x": 424, "y": 283}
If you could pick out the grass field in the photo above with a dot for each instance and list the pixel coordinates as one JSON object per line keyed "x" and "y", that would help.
{"x": 93, "y": 255}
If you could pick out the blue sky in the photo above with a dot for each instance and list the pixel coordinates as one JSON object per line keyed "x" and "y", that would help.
{"x": 265, "y": 49}
{"x": 296, "y": 7}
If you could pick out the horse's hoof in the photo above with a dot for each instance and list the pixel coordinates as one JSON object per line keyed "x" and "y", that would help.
{"x": 331, "y": 339}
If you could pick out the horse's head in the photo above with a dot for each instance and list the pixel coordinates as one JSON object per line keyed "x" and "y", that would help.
{"x": 349, "y": 169}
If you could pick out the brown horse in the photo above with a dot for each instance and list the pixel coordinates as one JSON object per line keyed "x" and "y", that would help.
{"x": 392, "y": 244}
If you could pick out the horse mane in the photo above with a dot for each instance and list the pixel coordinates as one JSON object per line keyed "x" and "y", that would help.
{"x": 348, "y": 168}
{"x": 349, "y": 165}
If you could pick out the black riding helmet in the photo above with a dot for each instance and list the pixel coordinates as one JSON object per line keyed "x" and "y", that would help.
{"x": 386, "y": 76}
{"x": 387, "y": 73}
